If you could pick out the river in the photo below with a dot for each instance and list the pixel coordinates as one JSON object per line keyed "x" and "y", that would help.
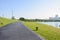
{"x": 55, "y": 24}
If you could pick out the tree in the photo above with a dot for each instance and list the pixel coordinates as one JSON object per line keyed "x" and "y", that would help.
{"x": 22, "y": 18}
{"x": 13, "y": 17}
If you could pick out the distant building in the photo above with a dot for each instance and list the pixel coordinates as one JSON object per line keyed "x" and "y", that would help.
{"x": 54, "y": 18}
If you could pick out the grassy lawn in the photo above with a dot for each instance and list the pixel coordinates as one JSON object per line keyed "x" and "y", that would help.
{"x": 5, "y": 21}
{"x": 46, "y": 31}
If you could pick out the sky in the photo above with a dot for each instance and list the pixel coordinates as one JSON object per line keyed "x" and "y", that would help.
{"x": 32, "y": 9}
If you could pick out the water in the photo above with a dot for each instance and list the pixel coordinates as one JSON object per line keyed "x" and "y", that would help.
{"x": 55, "y": 24}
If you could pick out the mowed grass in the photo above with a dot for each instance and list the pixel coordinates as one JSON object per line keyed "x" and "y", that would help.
{"x": 5, "y": 21}
{"x": 46, "y": 31}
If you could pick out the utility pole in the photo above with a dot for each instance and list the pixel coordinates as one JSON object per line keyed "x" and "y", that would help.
{"x": 2, "y": 15}
{"x": 12, "y": 13}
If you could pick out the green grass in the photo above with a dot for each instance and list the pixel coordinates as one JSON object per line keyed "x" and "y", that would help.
{"x": 5, "y": 21}
{"x": 46, "y": 31}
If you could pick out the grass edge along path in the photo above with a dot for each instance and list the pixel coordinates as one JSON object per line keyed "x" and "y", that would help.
{"x": 46, "y": 31}
{"x": 6, "y": 21}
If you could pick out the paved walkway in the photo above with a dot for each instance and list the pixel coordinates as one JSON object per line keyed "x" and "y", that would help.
{"x": 17, "y": 31}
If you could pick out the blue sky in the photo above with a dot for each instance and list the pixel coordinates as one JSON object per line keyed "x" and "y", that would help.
{"x": 30, "y": 8}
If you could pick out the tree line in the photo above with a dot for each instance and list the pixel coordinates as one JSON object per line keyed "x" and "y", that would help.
{"x": 38, "y": 20}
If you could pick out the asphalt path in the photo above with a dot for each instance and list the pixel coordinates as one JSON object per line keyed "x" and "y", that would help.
{"x": 17, "y": 31}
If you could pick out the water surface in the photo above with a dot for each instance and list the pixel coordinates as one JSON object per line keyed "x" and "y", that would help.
{"x": 55, "y": 24}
